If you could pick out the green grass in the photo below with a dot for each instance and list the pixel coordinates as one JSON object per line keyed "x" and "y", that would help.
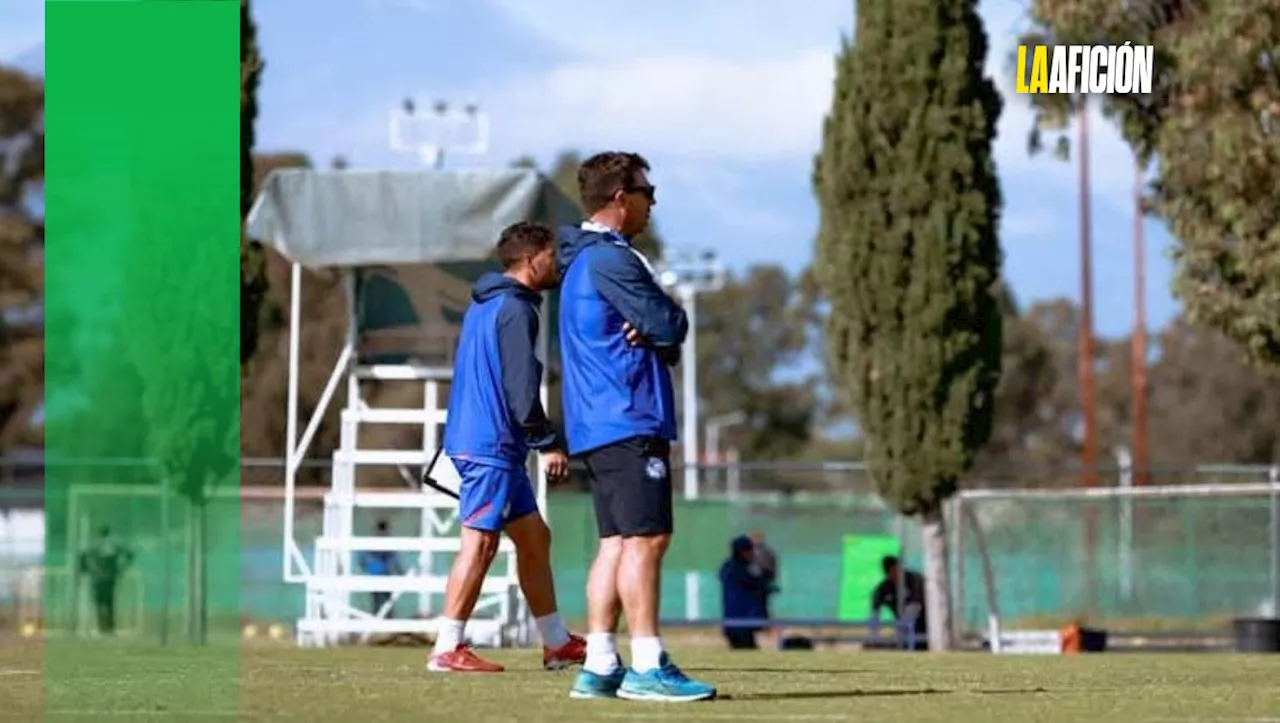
{"x": 93, "y": 682}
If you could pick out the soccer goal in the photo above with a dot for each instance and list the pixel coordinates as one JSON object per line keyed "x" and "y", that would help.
{"x": 148, "y": 520}
{"x": 1182, "y": 557}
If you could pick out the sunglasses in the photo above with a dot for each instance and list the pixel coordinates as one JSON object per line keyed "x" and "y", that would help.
{"x": 650, "y": 192}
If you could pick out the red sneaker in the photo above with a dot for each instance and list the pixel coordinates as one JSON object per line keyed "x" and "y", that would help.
{"x": 573, "y": 652}
{"x": 461, "y": 660}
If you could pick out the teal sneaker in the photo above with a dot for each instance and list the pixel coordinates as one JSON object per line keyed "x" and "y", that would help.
{"x": 664, "y": 684}
{"x": 594, "y": 686}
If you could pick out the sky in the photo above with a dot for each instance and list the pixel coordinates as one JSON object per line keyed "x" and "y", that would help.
{"x": 726, "y": 99}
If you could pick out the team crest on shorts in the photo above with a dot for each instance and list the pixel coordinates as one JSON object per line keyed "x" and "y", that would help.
{"x": 655, "y": 468}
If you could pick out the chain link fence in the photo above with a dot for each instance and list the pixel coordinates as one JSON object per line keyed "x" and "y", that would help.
{"x": 1188, "y": 561}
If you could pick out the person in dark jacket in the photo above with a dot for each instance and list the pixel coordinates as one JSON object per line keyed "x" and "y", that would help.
{"x": 104, "y": 563}
{"x": 495, "y": 417}
{"x": 619, "y": 335}
{"x": 906, "y": 606}
{"x": 744, "y": 589}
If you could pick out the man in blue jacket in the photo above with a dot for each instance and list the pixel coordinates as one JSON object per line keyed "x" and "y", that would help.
{"x": 495, "y": 418}
{"x": 619, "y": 333}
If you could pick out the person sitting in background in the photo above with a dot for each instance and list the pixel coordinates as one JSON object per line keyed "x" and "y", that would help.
{"x": 744, "y": 589}
{"x": 381, "y": 562}
{"x": 911, "y": 604}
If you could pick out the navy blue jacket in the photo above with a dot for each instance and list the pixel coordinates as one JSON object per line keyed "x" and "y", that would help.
{"x": 495, "y": 413}
{"x": 612, "y": 390}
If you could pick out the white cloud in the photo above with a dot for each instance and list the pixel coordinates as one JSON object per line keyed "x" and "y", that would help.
{"x": 691, "y": 106}
{"x": 743, "y": 29}
{"x": 721, "y": 194}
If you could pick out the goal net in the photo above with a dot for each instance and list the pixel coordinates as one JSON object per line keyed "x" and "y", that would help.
{"x": 155, "y": 592}
{"x": 1175, "y": 558}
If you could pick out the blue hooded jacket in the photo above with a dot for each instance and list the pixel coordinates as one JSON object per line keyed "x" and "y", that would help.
{"x": 614, "y": 391}
{"x": 495, "y": 413}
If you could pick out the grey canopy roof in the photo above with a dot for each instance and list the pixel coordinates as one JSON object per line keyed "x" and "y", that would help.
{"x": 368, "y": 218}
{"x": 415, "y": 241}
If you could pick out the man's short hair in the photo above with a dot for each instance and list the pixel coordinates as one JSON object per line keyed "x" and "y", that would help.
{"x": 522, "y": 239}
{"x": 604, "y": 174}
{"x": 888, "y": 562}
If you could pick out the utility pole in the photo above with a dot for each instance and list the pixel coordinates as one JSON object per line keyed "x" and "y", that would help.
{"x": 1086, "y": 365}
{"x": 1089, "y": 451}
{"x": 1138, "y": 361}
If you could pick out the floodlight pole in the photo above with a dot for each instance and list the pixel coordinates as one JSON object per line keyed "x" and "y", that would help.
{"x": 689, "y": 362}
{"x": 431, "y": 150}
{"x": 1125, "y": 461}
{"x": 688, "y": 276}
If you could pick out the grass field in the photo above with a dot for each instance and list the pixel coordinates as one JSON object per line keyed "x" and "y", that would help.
{"x": 101, "y": 682}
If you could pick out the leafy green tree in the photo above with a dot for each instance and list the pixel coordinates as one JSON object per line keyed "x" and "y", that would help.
{"x": 189, "y": 395}
{"x": 1208, "y": 405}
{"x": 908, "y": 256}
{"x": 750, "y": 332}
{"x": 1211, "y": 123}
{"x": 21, "y": 259}
{"x": 253, "y": 272}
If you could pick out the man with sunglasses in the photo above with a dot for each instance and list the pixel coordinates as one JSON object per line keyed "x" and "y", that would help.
{"x": 619, "y": 334}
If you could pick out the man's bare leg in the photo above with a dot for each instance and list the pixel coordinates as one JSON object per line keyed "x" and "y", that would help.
{"x": 639, "y": 586}
{"x": 603, "y": 607}
{"x": 466, "y": 577}
{"x": 532, "y": 540}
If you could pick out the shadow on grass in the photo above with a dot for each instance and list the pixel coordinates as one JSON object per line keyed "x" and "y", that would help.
{"x": 858, "y": 693}
{"x": 817, "y": 694}
{"x": 779, "y": 670}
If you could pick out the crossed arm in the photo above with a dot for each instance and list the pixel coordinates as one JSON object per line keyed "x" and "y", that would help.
{"x": 652, "y": 318}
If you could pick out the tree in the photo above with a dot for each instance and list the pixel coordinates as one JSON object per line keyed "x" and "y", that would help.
{"x": 1208, "y": 404}
{"x": 1037, "y": 429}
{"x": 749, "y": 332}
{"x": 21, "y": 259}
{"x": 908, "y": 256}
{"x": 1211, "y": 122}
{"x": 253, "y": 273}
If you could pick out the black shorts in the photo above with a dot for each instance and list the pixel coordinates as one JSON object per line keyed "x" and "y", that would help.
{"x": 631, "y": 487}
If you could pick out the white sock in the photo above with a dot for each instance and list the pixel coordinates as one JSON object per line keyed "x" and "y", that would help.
{"x": 646, "y": 654}
{"x": 448, "y": 635}
{"x": 602, "y": 654}
{"x": 552, "y": 630}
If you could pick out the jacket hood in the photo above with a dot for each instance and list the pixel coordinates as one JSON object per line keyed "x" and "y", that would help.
{"x": 494, "y": 284}
{"x": 571, "y": 241}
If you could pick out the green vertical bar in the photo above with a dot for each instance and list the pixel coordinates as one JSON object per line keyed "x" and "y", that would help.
{"x": 142, "y": 374}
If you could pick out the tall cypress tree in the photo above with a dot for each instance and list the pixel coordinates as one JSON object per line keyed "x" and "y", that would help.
{"x": 253, "y": 263}
{"x": 908, "y": 256}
